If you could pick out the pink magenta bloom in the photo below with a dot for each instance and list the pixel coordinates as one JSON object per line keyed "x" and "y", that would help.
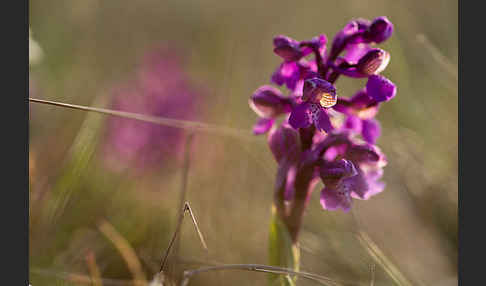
{"x": 324, "y": 135}
{"x": 161, "y": 88}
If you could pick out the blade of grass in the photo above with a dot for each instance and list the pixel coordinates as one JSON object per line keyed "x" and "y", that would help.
{"x": 80, "y": 155}
{"x": 125, "y": 250}
{"x": 438, "y": 56}
{"x": 94, "y": 270}
{"x": 379, "y": 257}
{"x": 372, "y": 270}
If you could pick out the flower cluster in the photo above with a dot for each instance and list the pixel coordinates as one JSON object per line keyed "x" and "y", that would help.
{"x": 324, "y": 136}
{"x": 161, "y": 88}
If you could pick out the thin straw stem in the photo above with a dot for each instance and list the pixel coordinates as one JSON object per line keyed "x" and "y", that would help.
{"x": 176, "y": 123}
{"x": 187, "y": 207}
{"x": 259, "y": 268}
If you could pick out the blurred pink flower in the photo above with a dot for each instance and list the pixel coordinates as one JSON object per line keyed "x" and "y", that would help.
{"x": 161, "y": 88}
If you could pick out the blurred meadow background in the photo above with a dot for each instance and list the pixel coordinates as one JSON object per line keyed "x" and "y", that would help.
{"x": 105, "y": 193}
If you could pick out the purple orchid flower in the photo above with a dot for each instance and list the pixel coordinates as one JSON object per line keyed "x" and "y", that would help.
{"x": 289, "y": 49}
{"x": 268, "y": 102}
{"x": 348, "y": 35}
{"x": 307, "y": 145}
{"x": 338, "y": 178}
{"x": 292, "y": 74}
{"x": 349, "y": 169}
{"x": 380, "y": 30}
{"x": 285, "y": 146}
{"x": 315, "y": 44}
{"x": 363, "y": 106}
{"x": 294, "y": 70}
{"x": 368, "y": 161}
{"x": 380, "y": 88}
{"x": 361, "y": 31}
{"x": 161, "y": 88}
{"x": 360, "y": 111}
{"x": 374, "y": 61}
{"x": 318, "y": 95}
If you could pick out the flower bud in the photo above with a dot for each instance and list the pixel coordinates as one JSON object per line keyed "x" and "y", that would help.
{"x": 373, "y": 62}
{"x": 381, "y": 29}
{"x": 287, "y": 48}
{"x": 268, "y": 102}
{"x": 283, "y": 142}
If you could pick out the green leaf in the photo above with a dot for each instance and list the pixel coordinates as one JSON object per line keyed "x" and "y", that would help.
{"x": 283, "y": 252}
{"x": 80, "y": 155}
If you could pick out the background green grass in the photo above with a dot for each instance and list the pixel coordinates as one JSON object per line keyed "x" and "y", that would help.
{"x": 91, "y": 46}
